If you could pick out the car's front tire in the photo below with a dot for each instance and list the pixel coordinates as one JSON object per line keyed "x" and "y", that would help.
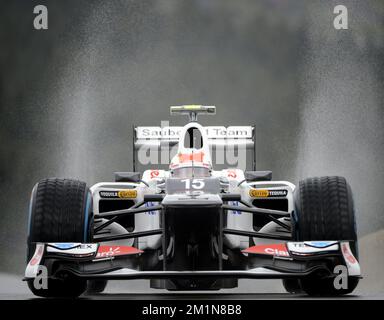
{"x": 325, "y": 211}
{"x": 292, "y": 286}
{"x": 96, "y": 286}
{"x": 60, "y": 211}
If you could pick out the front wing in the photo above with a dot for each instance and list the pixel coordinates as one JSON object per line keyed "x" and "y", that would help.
{"x": 269, "y": 261}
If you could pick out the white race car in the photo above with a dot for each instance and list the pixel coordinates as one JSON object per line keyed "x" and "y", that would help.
{"x": 192, "y": 227}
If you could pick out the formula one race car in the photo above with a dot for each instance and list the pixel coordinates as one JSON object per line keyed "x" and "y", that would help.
{"x": 192, "y": 227}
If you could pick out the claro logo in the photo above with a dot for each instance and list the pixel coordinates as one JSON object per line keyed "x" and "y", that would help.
{"x": 276, "y": 252}
{"x": 270, "y": 249}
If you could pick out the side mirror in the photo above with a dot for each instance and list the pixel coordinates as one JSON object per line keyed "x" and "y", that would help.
{"x": 127, "y": 176}
{"x": 254, "y": 176}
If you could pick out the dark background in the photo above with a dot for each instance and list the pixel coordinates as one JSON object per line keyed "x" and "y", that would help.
{"x": 69, "y": 95}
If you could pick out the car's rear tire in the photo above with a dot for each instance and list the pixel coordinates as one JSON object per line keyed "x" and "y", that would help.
{"x": 325, "y": 211}
{"x": 60, "y": 211}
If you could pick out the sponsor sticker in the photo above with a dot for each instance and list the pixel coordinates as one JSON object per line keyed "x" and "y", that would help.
{"x": 190, "y": 157}
{"x": 121, "y": 194}
{"x": 320, "y": 244}
{"x": 38, "y": 255}
{"x": 158, "y": 132}
{"x": 65, "y": 245}
{"x": 73, "y": 249}
{"x": 351, "y": 262}
{"x": 279, "y": 250}
{"x": 213, "y": 132}
{"x": 34, "y": 264}
{"x": 312, "y": 247}
{"x": 265, "y": 193}
{"x": 347, "y": 253}
{"x": 232, "y": 174}
{"x": 154, "y": 173}
{"x": 129, "y": 193}
{"x": 108, "y": 194}
{"x": 113, "y": 251}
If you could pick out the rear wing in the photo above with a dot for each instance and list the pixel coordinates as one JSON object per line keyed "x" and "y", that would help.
{"x": 192, "y": 110}
{"x": 164, "y": 138}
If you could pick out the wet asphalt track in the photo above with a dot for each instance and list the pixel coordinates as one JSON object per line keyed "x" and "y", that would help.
{"x": 12, "y": 288}
{"x": 199, "y": 296}
{"x": 225, "y": 296}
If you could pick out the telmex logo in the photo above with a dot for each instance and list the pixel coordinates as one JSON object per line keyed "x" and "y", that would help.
{"x": 66, "y": 245}
{"x": 212, "y": 132}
